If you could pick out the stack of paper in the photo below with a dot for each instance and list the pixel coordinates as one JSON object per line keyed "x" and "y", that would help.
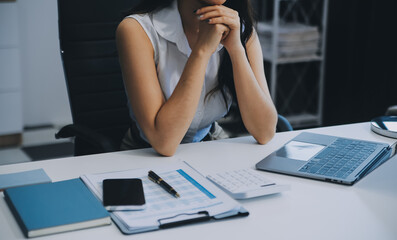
{"x": 295, "y": 39}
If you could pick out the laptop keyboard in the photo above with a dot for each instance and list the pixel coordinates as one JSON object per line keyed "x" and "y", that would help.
{"x": 340, "y": 158}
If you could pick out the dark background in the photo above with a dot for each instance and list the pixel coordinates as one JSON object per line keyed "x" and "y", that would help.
{"x": 361, "y": 60}
{"x": 360, "y": 80}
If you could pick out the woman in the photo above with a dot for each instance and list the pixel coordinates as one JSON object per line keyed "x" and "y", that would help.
{"x": 183, "y": 63}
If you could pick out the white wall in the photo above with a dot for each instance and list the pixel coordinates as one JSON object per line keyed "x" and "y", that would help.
{"x": 10, "y": 69}
{"x": 44, "y": 94}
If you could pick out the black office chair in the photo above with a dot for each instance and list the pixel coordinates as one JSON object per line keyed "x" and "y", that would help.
{"x": 283, "y": 125}
{"x": 95, "y": 87}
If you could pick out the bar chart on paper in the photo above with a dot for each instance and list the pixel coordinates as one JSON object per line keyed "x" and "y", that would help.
{"x": 192, "y": 194}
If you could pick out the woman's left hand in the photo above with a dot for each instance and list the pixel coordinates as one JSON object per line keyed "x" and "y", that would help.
{"x": 219, "y": 14}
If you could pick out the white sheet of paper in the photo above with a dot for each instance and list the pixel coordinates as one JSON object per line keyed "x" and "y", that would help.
{"x": 196, "y": 194}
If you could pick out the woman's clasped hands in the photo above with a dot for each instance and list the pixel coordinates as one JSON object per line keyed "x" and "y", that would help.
{"x": 218, "y": 24}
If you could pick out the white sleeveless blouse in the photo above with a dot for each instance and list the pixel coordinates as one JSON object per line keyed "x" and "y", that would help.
{"x": 171, "y": 52}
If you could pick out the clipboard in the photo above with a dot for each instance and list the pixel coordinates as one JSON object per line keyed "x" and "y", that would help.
{"x": 200, "y": 199}
{"x": 195, "y": 218}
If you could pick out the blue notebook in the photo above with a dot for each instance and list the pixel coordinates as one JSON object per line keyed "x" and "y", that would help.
{"x": 55, "y": 207}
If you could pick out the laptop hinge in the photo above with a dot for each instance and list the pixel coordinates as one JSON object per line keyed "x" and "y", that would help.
{"x": 375, "y": 163}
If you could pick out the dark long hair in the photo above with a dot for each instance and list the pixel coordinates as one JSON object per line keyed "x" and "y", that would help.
{"x": 225, "y": 72}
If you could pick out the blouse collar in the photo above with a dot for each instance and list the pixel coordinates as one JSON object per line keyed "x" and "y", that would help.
{"x": 168, "y": 25}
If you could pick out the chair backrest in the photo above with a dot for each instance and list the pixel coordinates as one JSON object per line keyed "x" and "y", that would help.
{"x": 93, "y": 75}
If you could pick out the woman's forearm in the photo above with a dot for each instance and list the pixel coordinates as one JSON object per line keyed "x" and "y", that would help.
{"x": 177, "y": 113}
{"x": 256, "y": 106}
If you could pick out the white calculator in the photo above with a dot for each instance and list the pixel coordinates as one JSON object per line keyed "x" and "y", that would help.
{"x": 245, "y": 183}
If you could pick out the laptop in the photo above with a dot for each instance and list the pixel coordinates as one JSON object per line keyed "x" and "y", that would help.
{"x": 327, "y": 158}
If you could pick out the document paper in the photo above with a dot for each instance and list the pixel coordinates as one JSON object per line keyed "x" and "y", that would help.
{"x": 196, "y": 194}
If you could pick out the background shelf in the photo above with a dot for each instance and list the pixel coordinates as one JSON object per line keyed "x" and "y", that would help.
{"x": 292, "y": 34}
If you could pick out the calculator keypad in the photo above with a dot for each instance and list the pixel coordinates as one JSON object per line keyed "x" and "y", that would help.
{"x": 243, "y": 183}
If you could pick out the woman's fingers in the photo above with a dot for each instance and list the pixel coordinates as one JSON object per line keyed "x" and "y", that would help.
{"x": 230, "y": 22}
{"x": 225, "y": 33}
{"x": 219, "y": 15}
{"x": 220, "y": 9}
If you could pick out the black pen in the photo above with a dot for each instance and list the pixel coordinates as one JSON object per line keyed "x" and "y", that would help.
{"x": 155, "y": 178}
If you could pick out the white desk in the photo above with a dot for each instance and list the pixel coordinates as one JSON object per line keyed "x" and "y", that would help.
{"x": 310, "y": 210}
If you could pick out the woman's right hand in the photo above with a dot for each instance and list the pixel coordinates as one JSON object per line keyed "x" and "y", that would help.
{"x": 209, "y": 36}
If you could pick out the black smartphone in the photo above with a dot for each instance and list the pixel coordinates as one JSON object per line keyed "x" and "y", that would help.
{"x": 123, "y": 194}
